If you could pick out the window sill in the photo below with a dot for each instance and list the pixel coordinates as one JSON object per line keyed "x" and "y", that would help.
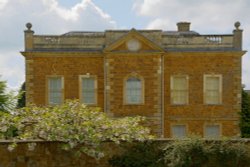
{"x": 213, "y": 104}
{"x": 128, "y": 104}
{"x": 179, "y": 105}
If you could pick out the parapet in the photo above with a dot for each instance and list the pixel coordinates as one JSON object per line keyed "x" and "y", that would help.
{"x": 182, "y": 39}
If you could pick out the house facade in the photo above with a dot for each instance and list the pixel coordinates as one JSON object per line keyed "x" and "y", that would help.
{"x": 183, "y": 82}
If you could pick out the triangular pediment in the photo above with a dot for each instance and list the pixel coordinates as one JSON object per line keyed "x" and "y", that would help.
{"x": 133, "y": 41}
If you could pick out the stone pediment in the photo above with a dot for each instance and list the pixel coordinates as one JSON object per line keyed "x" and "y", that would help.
{"x": 134, "y": 42}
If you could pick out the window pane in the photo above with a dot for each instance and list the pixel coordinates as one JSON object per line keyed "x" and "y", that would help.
{"x": 133, "y": 91}
{"x": 213, "y": 83}
{"x": 179, "y": 92}
{"x": 179, "y": 83}
{"x": 55, "y": 90}
{"x": 178, "y": 131}
{"x": 212, "y": 90}
{"x": 88, "y": 91}
{"x": 213, "y": 97}
{"x": 212, "y": 131}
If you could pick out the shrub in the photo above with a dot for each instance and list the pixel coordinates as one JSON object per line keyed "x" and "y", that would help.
{"x": 228, "y": 153}
{"x": 76, "y": 125}
{"x": 201, "y": 153}
{"x": 191, "y": 152}
{"x": 143, "y": 154}
{"x": 185, "y": 153}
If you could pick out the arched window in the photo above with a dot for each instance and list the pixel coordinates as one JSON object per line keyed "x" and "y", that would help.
{"x": 134, "y": 91}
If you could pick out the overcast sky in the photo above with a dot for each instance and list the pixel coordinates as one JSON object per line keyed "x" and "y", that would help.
{"x": 61, "y": 16}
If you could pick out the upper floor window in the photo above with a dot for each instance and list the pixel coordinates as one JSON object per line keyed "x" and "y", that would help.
{"x": 179, "y": 89}
{"x": 88, "y": 89}
{"x": 213, "y": 89}
{"x": 55, "y": 90}
{"x": 134, "y": 93}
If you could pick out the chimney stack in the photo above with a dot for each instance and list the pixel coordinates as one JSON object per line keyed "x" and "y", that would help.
{"x": 183, "y": 26}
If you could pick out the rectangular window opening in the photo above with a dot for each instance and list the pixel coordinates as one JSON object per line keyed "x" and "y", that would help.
{"x": 88, "y": 90}
{"x": 179, "y": 90}
{"x": 212, "y": 131}
{"x": 55, "y": 90}
{"x": 134, "y": 91}
{"x": 179, "y": 131}
{"x": 213, "y": 89}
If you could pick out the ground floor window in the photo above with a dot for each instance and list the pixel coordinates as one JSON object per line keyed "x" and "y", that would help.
{"x": 212, "y": 131}
{"x": 179, "y": 131}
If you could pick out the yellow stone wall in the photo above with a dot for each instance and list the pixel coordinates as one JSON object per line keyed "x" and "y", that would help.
{"x": 196, "y": 114}
{"x": 114, "y": 62}
{"x": 121, "y": 66}
{"x": 68, "y": 65}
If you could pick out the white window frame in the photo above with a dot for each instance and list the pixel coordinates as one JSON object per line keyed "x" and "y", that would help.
{"x": 172, "y": 91}
{"x": 81, "y": 88}
{"x": 48, "y": 89}
{"x": 212, "y": 137}
{"x": 125, "y": 100}
{"x": 205, "y": 89}
{"x": 174, "y": 135}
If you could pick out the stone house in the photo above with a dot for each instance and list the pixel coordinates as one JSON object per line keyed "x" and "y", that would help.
{"x": 183, "y": 82}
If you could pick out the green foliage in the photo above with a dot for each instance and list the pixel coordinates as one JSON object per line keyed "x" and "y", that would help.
{"x": 76, "y": 125}
{"x": 201, "y": 153}
{"x": 21, "y": 97}
{"x": 11, "y": 132}
{"x": 144, "y": 154}
{"x": 7, "y": 100}
{"x": 185, "y": 153}
{"x": 192, "y": 152}
{"x": 245, "y": 115}
{"x": 3, "y": 96}
{"x": 228, "y": 153}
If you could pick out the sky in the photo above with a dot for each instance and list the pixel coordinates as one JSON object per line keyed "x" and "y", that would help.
{"x": 60, "y": 16}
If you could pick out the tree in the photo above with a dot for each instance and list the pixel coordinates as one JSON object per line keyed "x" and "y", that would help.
{"x": 76, "y": 125}
{"x": 245, "y": 115}
{"x": 3, "y": 96}
{"x": 21, "y": 97}
{"x": 7, "y": 99}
